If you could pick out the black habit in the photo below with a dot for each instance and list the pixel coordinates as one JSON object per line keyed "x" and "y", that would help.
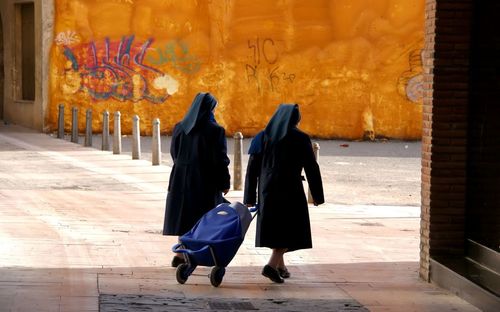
{"x": 200, "y": 171}
{"x": 277, "y": 156}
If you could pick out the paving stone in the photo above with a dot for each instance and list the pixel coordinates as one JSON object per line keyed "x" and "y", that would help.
{"x": 134, "y": 303}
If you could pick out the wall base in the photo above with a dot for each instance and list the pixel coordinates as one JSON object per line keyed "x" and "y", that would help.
{"x": 453, "y": 274}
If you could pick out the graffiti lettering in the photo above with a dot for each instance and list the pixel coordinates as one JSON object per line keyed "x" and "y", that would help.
{"x": 274, "y": 79}
{"x": 263, "y": 67}
{"x": 117, "y": 70}
{"x": 184, "y": 62}
{"x": 270, "y": 54}
{"x": 256, "y": 51}
{"x": 251, "y": 72}
{"x": 266, "y": 52}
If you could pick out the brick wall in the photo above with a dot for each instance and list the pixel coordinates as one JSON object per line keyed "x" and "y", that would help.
{"x": 444, "y": 138}
{"x": 428, "y": 62}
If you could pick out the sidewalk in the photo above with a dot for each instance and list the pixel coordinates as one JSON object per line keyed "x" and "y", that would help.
{"x": 80, "y": 231}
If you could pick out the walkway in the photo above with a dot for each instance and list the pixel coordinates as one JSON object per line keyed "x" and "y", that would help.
{"x": 81, "y": 227}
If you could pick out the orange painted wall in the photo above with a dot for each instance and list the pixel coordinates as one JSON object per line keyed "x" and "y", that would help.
{"x": 353, "y": 66}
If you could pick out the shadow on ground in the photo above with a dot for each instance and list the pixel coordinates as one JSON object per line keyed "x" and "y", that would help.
{"x": 326, "y": 287}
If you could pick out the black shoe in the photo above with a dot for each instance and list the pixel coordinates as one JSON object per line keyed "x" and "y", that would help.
{"x": 273, "y": 274}
{"x": 284, "y": 272}
{"x": 176, "y": 261}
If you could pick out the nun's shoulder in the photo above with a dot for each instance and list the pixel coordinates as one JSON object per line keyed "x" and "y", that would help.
{"x": 256, "y": 143}
{"x": 218, "y": 127}
{"x": 214, "y": 128}
{"x": 258, "y": 138}
{"x": 259, "y": 135}
{"x": 300, "y": 134}
{"x": 177, "y": 128}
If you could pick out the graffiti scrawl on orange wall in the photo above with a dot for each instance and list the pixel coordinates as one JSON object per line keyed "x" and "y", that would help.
{"x": 116, "y": 70}
{"x": 354, "y": 66}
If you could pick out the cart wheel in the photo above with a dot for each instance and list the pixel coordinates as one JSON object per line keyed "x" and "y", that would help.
{"x": 216, "y": 276}
{"x": 180, "y": 273}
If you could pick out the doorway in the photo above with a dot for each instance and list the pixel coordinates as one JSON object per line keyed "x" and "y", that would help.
{"x": 25, "y": 52}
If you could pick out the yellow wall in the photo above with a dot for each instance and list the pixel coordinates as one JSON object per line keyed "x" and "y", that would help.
{"x": 354, "y": 66}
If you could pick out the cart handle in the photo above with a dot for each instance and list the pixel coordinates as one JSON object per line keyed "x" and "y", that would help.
{"x": 175, "y": 248}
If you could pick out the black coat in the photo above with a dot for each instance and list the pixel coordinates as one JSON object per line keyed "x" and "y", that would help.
{"x": 276, "y": 171}
{"x": 199, "y": 175}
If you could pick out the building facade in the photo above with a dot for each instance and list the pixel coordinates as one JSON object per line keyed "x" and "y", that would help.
{"x": 354, "y": 66}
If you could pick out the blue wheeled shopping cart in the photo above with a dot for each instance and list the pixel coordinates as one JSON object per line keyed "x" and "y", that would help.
{"x": 213, "y": 241}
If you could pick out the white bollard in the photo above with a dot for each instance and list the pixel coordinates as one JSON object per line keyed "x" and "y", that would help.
{"x": 237, "y": 164}
{"x": 156, "y": 148}
{"x": 60, "y": 124}
{"x": 88, "y": 128}
{"x": 136, "y": 138}
{"x": 74, "y": 125}
{"x": 105, "y": 131}
{"x": 117, "y": 134}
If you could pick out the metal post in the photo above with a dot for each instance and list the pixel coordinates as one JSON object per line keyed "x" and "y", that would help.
{"x": 74, "y": 125}
{"x": 136, "y": 138}
{"x": 60, "y": 124}
{"x": 105, "y": 131}
{"x": 238, "y": 168}
{"x": 117, "y": 134}
{"x": 316, "y": 155}
{"x": 88, "y": 128}
{"x": 156, "y": 160}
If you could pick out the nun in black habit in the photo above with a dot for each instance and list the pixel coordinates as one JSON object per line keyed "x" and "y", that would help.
{"x": 200, "y": 172}
{"x": 274, "y": 182}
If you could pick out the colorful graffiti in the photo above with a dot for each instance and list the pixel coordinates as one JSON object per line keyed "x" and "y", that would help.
{"x": 117, "y": 70}
{"x": 182, "y": 61}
